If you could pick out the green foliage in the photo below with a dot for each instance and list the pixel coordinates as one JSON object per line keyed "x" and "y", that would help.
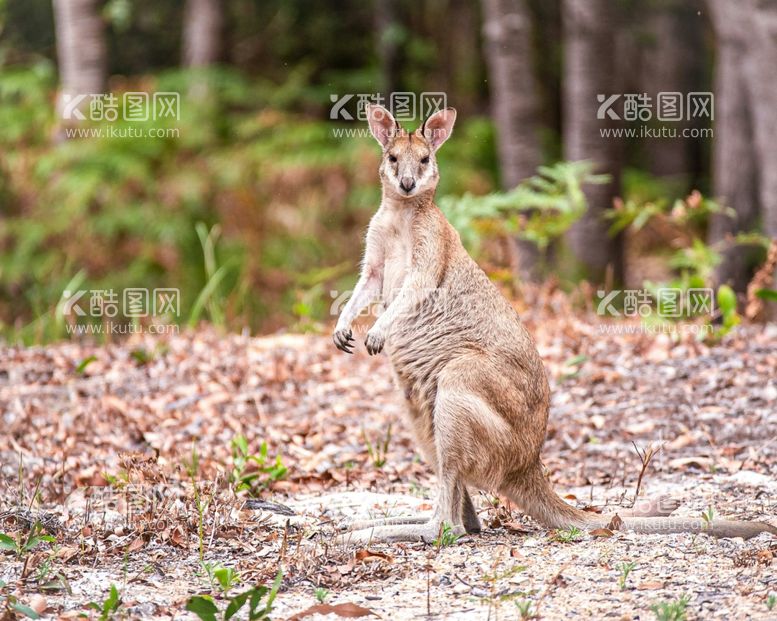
{"x": 708, "y": 516}
{"x": 253, "y": 472}
{"x": 568, "y": 535}
{"x": 24, "y": 544}
{"x": 250, "y": 212}
{"x": 671, "y": 611}
{"x": 771, "y": 601}
{"x": 727, "y": 305}
{"x": 321, "y": 594}
{"x": 10, "y": 605}
{"x": 541, "y": 209}
{"x": 109, "y": 606}
{"x": 625, "y": 569}
{"x": 259, "y": 599}
{"x": 85, "y": 363}
{"x": 635, "y": 214}
{"x": 447, "y": 536}
{"x": 526, "y": 609}
{"x": 225, "y": 578}
{"x": 379, "y": 451}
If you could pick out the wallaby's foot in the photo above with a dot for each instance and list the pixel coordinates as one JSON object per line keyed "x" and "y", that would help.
{"x": 428, "y": 532}
{"x": 659, "y": 506}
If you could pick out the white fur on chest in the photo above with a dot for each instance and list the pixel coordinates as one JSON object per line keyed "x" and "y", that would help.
{"x": 395, "y": 233}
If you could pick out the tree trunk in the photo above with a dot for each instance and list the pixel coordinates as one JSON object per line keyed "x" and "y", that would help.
{"x": 203, "y": 21}
{"x": 387, "y": 34}
{"x": 507, "y": 33}
{"x": 670, "y": 62}
{"x": 81, "y": 50}
{"x": 760, "y": 74}
{"x": 589, "y": 71}
{"x": 734, "y": 164}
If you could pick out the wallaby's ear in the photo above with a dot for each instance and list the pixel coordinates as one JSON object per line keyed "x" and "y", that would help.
{"x": 438, "y": 127}
{"x": 382, "y": 125}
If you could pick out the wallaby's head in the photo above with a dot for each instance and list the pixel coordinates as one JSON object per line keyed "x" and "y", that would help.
{"x": 409, "y": 167}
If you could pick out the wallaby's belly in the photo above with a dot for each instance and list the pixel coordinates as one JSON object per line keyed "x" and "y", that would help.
{"x": 466, "y": 315}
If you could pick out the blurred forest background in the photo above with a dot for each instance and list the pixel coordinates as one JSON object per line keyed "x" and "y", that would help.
{"x": 254, "y": 208}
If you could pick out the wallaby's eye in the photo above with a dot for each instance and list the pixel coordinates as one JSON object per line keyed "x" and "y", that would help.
{"x": 392, "y": 158}
{"x": 425, "y": 160}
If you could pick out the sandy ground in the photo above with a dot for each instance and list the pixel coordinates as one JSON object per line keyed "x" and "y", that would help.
{"x": 106, "y": 448}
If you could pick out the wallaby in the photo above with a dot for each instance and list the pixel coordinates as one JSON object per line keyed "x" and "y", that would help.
{"x": 475, "y": 388}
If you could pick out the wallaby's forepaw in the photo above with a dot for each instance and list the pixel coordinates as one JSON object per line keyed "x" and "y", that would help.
{"x": 375, "y": 341}
{"x": 343, "y": 339}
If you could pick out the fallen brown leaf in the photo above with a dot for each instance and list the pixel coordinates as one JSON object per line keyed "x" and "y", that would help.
{"x": 365, "y": 556}
{"x": 341, "y": 610}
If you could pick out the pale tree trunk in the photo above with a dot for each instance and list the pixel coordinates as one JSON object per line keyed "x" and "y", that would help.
{"x": 735, "y": 163}
{"x": 81, "y": 50}
{"x": 202, "y": 32}
{"x": 589, "y": 70}
{"x": 507, "y": 33}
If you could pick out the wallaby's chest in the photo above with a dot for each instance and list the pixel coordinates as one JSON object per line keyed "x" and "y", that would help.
{"x": 397, "y": 239}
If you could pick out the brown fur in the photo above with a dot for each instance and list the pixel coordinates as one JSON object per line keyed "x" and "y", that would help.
{"x": 476, "y": 390}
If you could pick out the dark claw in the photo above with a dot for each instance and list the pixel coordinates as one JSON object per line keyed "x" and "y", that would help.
{"x": 374, "y": 345}
{"x": 344, "y": 341}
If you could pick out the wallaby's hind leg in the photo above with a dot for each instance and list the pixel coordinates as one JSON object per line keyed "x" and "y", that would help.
{"x": 470, "y": 516}
{"x": 449, "y": 510}
{"x": 460, "y": 418}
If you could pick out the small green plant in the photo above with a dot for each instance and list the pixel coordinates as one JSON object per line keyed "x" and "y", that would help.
{"x": 200, "y": 504}
{"x": 526, "y": 609}
{"x": 253, "y": 472}
{"x": 671, "y": 611}
{"x": 625, "y": 569}
{"x": 211, "y": 297}
{"x": 771, "y": 601}
{"x": 81, "y": 368}
{"x": 321, "y": 594}
{"x": 708, "y": 516}
{"x": 259, "y": 598}
{"x": 110, "y": 605}
{"x": 568, "y": 535}
{"x": 142, "y": 356}
{"x": 575, "y": 365}
{"x": 10, "y": 606}
{"x": 727, "y": 304}
{"x": 378, "y": 452}
{"x": 225, "y": 578}
{"x": 447, "y": 536}
{"x": 24, "y": 544}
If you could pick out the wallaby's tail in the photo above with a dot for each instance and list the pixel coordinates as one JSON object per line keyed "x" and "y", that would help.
{"x": 535, "y": 495}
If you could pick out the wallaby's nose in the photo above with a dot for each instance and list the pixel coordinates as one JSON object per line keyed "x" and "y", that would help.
{"x": 407, "y": 183}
